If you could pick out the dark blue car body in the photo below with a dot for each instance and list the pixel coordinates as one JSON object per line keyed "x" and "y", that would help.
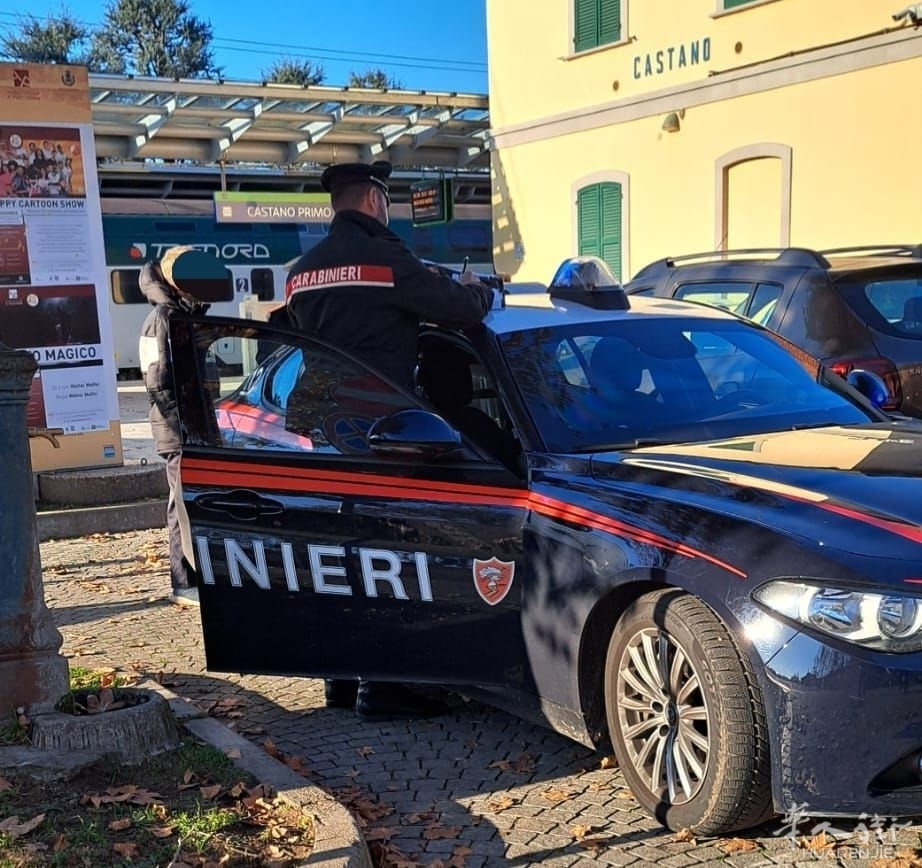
{"x": 723, "y": 560}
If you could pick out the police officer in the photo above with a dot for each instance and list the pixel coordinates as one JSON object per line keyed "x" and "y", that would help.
{"x": 363, "y": 290}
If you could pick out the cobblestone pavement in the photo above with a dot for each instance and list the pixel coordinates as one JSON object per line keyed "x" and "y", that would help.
{"x": 474, "y": 788}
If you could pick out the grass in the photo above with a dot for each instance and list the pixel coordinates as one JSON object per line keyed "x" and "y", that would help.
{"x": 188, "y": 808}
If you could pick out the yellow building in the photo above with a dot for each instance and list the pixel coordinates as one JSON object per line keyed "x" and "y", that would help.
{"x": 636, "y": 130}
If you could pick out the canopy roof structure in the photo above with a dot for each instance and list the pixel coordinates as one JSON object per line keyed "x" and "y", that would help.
{"x": 160, "y": 137}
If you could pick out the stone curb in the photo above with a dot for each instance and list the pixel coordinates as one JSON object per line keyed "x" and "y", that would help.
{"x": 114, "y": 518}
{"x": 338, "y": 841}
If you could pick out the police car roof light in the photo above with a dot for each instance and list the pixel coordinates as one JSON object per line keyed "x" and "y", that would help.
{"x": 588, "y": 280}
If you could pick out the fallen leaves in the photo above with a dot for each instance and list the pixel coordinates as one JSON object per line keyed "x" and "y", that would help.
{"x": 822, "y": 845}
{"x": 737, "y": 845}
{"x": 365, "y": 807}
{"x": 903, "y": 858}
{"x": 129, "y": 793}
{"x": 210, "y": 793}
{"x": 523, "y": 764}
{"x": 555, "y": 797}
{"x": 99, "y": 703}
{"x": 501, "y": 803}
{"x": 16, "y": 828}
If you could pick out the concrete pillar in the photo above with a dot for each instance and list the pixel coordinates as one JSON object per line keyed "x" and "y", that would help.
{"x": 32, "y": 672}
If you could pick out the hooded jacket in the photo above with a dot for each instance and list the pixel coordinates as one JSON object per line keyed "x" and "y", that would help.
{"x": 362, "y": 290}
{"x": 154, "y": 355}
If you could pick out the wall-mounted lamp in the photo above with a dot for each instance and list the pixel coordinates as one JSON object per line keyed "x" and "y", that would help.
{"x": 671, "y": 123}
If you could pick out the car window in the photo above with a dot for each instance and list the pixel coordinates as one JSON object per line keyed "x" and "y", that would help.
{"x": 898, "y": 302}
{"x": 732, "y": 295}
{"x": 763, "y": 301}
{"x": 305, "y": 398}
{"x": 676, "y": 380}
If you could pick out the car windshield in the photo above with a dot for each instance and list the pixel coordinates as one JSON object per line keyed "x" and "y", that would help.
{"x": 640, "y": 381}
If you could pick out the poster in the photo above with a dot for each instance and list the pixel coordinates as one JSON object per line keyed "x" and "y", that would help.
{"x": 53, "y": 292}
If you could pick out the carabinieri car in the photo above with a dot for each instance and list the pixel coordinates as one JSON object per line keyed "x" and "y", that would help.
{"x": 639, "y": 521}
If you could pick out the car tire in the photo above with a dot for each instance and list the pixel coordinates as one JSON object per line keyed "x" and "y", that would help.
{"x": 693, "y": 745}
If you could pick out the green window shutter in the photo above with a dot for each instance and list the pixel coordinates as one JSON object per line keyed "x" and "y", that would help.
{"x": 598, "y": 22}
{"x": 729, "y": 4}
{"x": 611, "y": 227}
{"x": 599, "y": 224}
{"x": 589, "y": 219}
{"x": 609, "y": 21}
{"x": 587, "y": 24}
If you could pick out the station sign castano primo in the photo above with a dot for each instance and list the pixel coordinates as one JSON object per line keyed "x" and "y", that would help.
{"x": 237, "y": 207}
{"x": 672, "y": 57}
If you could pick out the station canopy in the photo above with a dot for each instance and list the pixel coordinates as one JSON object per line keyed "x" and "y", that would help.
{"x": 158, "y": 137}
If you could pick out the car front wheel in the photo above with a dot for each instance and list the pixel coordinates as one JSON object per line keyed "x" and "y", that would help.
{"x": 686, "y": 717}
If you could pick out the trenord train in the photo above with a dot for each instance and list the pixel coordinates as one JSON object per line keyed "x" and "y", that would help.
{"x": 258, "y": 255}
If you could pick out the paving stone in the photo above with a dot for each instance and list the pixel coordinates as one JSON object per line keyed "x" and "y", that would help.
{"x": 107, "y": 594}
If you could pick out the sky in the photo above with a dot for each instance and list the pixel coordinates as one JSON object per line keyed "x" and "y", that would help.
{"x": 434, "y": 45}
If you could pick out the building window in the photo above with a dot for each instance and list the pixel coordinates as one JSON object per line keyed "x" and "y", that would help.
{"x": 598, "y": 209}
{"x": 597, "y": 22}
{"x": 732, "y": 4}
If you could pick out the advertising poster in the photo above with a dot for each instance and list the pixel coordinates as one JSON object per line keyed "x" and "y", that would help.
{"x": 53, "y": 301}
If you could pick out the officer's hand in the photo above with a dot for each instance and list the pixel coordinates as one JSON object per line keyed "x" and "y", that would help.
{"x": 468, "y": 277}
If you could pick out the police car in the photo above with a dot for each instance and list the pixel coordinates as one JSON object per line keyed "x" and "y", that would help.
{"x": 640, "y": 521}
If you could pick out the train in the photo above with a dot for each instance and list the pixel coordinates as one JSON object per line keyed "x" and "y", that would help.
{"x": 258, "y": 256}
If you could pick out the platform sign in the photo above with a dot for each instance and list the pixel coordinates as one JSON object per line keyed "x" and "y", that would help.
{"x": 246, "y": 207}
{"x": 432, "y": 202}
{"x": 53, "y": 293}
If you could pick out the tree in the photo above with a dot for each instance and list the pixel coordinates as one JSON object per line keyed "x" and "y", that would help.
{"x": 374, "y": 77}
{"x": 287, "y": 70}
{"x": 155, "y": 38}
{"x": 57, "y": 39}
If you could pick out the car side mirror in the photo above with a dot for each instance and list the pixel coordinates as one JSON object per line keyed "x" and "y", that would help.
{"x": 416, "y": 433}
{"x": 868, "y": 384}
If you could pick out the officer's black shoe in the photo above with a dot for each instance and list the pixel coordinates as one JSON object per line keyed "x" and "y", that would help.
{"x": 340, "y": 693}
{"x": 379, "y": 700}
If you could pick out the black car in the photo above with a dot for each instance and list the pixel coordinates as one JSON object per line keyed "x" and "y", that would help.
{"x": 641, "y": 522}
{"x": 850, "y": 307}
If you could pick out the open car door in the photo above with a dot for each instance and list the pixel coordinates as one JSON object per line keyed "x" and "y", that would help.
{"x": 338, "y": 526}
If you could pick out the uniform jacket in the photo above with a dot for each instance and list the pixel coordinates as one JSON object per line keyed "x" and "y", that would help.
{"x": 154, "y": 355}
{"x": 361, "y": 289}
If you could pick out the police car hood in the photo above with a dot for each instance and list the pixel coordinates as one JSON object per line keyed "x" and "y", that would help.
{"x": 873, "y": 470}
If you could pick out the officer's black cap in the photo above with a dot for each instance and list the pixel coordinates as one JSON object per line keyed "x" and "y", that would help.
{"x": 343, "y": 174}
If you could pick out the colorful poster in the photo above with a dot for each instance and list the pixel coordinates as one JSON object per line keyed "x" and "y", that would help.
{"x": 60, "y": 327}
{"x": 53, "y": 293}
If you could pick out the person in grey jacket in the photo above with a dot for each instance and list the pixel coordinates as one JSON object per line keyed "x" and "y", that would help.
{"x": 156, "y": 368}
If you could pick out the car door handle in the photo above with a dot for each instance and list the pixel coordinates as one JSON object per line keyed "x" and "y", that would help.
{"x": 241, "y": 503}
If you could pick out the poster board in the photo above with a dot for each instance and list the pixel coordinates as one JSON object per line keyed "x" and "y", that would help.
{"x": 53, "y": 287}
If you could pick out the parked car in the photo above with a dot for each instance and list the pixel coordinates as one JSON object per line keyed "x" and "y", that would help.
{"x": 850, "y": 307}
{"x": 641, "y": 522}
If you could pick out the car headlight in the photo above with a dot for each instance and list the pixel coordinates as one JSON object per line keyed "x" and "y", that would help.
{"x": 884, "y": 622}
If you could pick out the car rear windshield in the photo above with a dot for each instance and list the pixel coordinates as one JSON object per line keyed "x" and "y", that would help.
{"x": 891, "y": 304}
{"x": 673, "y": 380}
